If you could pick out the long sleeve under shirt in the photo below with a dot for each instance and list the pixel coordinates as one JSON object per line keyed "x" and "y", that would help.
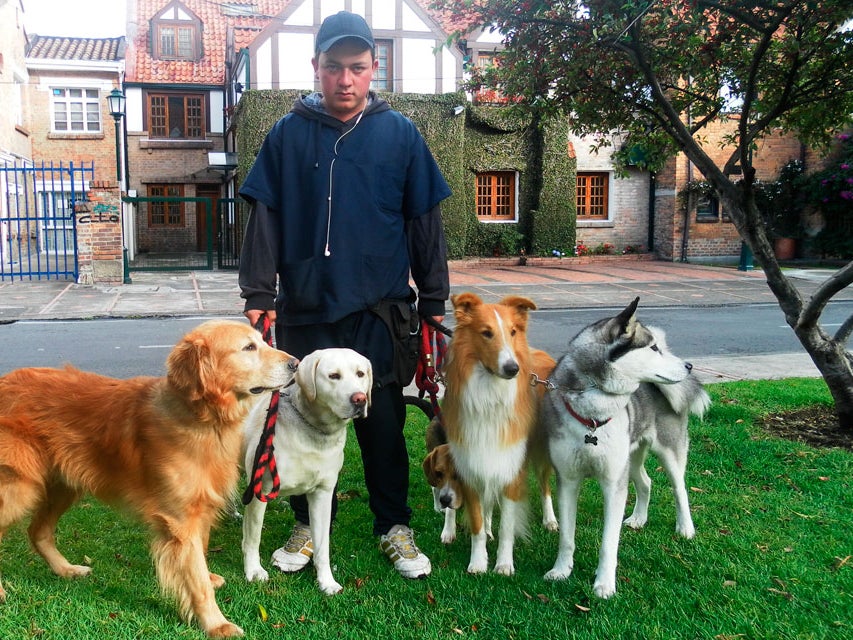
{"x": 383, "y": 222}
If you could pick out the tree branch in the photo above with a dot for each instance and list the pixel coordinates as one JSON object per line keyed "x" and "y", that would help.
{"x": 835, "y": 283}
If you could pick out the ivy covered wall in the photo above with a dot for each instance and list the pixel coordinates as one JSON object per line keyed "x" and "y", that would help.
{"x": 480, "y": 139}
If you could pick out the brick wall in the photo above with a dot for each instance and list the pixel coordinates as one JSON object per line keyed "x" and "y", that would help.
{"x": 77, "y": 147}
{"x": 719, "y": 238}
{"x": 99, "y": 239}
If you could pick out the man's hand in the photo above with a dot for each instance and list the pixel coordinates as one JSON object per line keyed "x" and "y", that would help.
{"x": 254, "y": 315}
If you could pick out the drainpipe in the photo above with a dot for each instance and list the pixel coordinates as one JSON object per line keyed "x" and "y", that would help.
{"x": 650, "y": 241}
{"x": 685, "y": 233}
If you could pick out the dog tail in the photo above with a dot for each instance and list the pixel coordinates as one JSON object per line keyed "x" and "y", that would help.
{"x": 687, "y": 396}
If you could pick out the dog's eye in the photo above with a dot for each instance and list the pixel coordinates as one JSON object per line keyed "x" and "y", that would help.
{"x": 439, "y": 475}
{"x": 359, "y": 373}
{"x": 487, "y": 334}
{"x": 250, "y": 347}
{"x": 654, "y": 348}
{"x": 512, "y": 333}
{"x": 334, "y": 376}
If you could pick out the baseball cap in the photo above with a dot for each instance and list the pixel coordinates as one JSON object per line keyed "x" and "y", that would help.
{"x": 342, "y": 25}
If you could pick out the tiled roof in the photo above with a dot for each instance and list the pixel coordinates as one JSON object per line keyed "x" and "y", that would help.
{"x": 63, "y": 48}
{"x": 246, "y": 17}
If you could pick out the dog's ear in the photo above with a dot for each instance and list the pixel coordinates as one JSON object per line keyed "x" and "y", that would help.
{"x": 622, "y": 329}
{"x": 429, "y": 468}
{"x": 189, "y": 367}
{"x": 306, "y": 375}
{"x": 369, "y": 386}
{"x": 464, "y": 305}
{"x": 520, "y": 304}
{"x": 625, "y": 323}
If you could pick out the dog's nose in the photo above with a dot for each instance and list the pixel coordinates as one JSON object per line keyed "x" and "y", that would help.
{"x": 688, "y": 366}
{"x": 358, "y": 399}
{"x": 445, "y": 501}
{"x": 293, "y": 364}
{"x": 510, "y": 369}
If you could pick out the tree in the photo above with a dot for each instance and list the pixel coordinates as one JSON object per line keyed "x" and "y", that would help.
{"x": 659, "y": 71}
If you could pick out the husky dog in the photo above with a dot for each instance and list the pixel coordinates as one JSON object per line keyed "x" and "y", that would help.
{"x": 615, "y": 395}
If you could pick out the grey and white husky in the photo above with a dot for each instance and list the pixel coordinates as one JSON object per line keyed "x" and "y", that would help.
{"x": 616, "y": 394}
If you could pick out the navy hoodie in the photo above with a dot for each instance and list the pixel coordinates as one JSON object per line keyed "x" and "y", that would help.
{"x": 343, "y": 212}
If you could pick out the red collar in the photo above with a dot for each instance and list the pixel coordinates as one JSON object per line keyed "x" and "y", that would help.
{"x": 589, "y": 423}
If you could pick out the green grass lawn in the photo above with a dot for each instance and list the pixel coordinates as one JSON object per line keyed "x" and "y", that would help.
{"x": 771, "y": 558}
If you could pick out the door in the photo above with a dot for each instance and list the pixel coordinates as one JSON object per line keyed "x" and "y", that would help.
{"x": 206, "y": 218}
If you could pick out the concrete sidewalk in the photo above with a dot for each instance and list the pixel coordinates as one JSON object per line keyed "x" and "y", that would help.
{"x": 552, "y": 284}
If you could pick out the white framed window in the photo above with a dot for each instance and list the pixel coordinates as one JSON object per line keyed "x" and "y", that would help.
{"x": 57, "y": 221}
{"x": 496, "y": 193}
{"x": 75, "y": 110}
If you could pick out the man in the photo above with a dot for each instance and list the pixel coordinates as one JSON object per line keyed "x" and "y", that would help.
{"x": 345, "y": 197}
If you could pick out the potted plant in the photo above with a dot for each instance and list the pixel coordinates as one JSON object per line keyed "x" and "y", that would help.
{"x": 781, "y": 204}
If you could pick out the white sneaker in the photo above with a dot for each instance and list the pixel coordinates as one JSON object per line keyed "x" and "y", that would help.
{"x": 297, "y": 551}
{"x": 399, "y": 545}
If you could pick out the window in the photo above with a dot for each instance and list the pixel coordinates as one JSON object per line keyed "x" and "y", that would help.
{"x": 176, "y": 116}
{"x": 487, "y": 96}
{"x": 383, "y": 77}
{"x": 707, "y": 208}
{"x": 57, "y": 225}
{"x": 176, "y": 35}
{"x": 592, "y": 191}
{"x": 76, "y": 110}
{"x": 166, "y": 214}
{"x": 496, "y": 195}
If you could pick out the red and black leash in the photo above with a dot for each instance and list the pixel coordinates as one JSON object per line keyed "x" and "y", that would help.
{"x": 433, "y": 350}
{"x": 265, "y": 452}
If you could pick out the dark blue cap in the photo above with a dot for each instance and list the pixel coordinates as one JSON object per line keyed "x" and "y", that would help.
{"x": 340, "y": 26}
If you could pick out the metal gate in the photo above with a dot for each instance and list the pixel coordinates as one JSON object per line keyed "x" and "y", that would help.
{"x": 166, "y": 229}
{"x": 38, "y": 234}
{"x": 233, "y": 214}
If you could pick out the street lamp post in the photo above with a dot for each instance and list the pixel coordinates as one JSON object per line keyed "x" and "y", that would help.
{"x": 116, "y": 102}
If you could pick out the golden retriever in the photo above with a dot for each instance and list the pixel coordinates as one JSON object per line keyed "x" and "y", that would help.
{"x": 167, "y": 449}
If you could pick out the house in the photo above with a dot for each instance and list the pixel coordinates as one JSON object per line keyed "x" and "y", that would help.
{"x": 14, "y": 129}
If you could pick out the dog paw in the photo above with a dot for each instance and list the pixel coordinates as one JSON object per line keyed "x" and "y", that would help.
{"x": 448, "y": 537}
{"x": 216, "y": 580}
{"x": 634, "y": 522}
{"x": 505, "y": 569}
{"x": 331, "y": 588}
{"x": 256, "y": 574}
{"x": 476, "y": 567}
{"x": 227, "y": 630}
{"x": 687, "y": 531}
{"x": 550, "y": 525}
{"x": 558, "y": 574}
{"x": 604, "y": 589}
{"x": 74, "y": 571}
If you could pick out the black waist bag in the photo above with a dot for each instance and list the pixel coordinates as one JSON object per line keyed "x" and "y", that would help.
{"x": 401, "y": 318}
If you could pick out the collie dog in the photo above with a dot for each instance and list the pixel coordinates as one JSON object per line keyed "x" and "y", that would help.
{"x": 165, "y": 449}
{"x": 490, "y": 413}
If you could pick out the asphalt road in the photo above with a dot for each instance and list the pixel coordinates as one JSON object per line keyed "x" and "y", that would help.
{"x": 128, "y": 347}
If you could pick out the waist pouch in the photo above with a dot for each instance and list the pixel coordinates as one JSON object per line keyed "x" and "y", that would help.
{"x": 401, "y": 318}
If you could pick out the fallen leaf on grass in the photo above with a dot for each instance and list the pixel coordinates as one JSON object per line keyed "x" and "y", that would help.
{"x": 784, "y": 594}
{"x": 580, "y": 607}
{"x": 263, "y": 612}
{"x": 840, "y": 562}
{"x": 430, "y": 597}
{"x": 729, "y": 584}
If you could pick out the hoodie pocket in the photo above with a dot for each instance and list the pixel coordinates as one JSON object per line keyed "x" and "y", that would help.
{"x": 303, "y": 284}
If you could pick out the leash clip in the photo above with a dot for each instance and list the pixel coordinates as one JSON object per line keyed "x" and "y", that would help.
{"x": 535, "y": 379}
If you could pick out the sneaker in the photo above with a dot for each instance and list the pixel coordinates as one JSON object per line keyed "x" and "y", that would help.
{"x": 399, "y": 545}
{"x": 297, "y": 551}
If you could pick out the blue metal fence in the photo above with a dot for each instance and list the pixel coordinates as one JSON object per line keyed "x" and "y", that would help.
{"x": 38, "y": 234}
